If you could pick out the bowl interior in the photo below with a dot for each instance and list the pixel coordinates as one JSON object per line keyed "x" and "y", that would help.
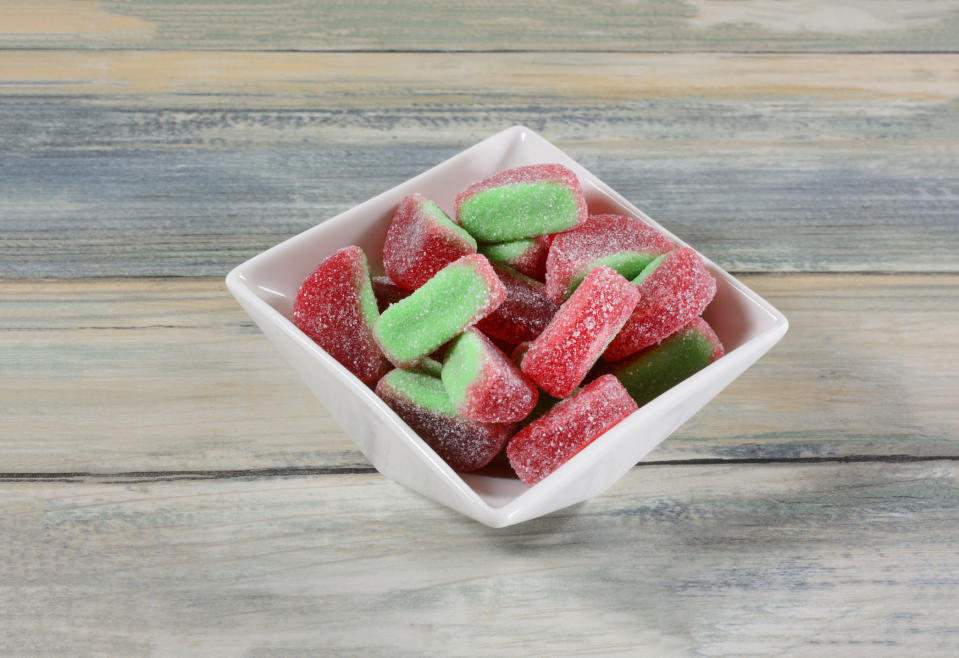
{"x": 736, "y": 313}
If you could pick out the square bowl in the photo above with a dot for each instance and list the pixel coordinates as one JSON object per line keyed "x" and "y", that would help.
{"x": 266, "y": 286}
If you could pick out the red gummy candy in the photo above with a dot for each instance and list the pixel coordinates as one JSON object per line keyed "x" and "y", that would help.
{"x": 562, "y": 355}
{"x": 551, "y": 440}
{"x": 335, "y": 307}
{"x": 387, "y": 292}
{"x": 421, "y": 241}
{"x": 526, "y": 312}
{"x": 519, "y": 210}
{"x": 623, "y": 243}
{"x": 462, "y": 443}
{"x": 483, "y": 384}
{"x": 676, "y": 291}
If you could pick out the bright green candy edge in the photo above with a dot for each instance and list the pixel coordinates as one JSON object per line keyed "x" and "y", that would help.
{"x": 628, "y": 263}
{"x": 440, "y": 217}
{"x": 462, "y": 366}
{"x": 431, "y": 367}
{"x": 519, "y": 210}
{"x": 420, "y": 389}
{"x": 649, "y": 269}
{"x": 506, "y": 252}
{"x": 657, "y": 369}
{"x": 437, "y": 311}
{"x": 368, "y": 308}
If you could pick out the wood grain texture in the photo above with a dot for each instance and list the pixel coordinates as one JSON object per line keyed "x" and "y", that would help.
{"x": 853, "y": 559}
{"x": 140, "y": 164}
{"x": 634, "y": 26}
{"x": 169, "y": 374}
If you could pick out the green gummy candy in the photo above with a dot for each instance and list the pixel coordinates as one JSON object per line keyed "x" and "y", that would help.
{"x": 506, "y": 252}
{"x": 462, "y": 366}
{"x": 437, "y": 311}
{"x": 657, "y": 369}
{"x": 519, "y": 210}
{"x": 630, "y": 264}
{"x": 431, "y": 367}
{"x": 420, "y": 389}
{"x": 649, "y": 269}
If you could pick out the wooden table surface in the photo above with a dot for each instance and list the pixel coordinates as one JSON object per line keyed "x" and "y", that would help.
{"x": 167, "y": 485}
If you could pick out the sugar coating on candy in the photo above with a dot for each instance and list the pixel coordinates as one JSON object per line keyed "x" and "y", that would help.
{"x": 550, "y": 441}
{"x": 621, "y": 243}
{"x": 522, "y": 203}
{"x": 431, "y": 367}
{"x": 421, "y": 401}
{"x": 420, "y": 241}
{"x": 563, "y": 354}
{"x": 527, "y": 256}
{"x": 524, "y": 314}
{"x": 674, "y": 289}
{"x": 655, "y": 370}
{"x": 335, "y": 307}
{"x": 457, "y": 296}
{"x": 483, "y": 384}
{"x": 387, "y": 292}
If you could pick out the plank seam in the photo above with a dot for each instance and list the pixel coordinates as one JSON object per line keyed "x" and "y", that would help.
{"x": 465, "y": 51}
{"x": 187, "y": 475}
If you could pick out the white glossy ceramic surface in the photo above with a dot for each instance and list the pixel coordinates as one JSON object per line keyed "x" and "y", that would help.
{"x": 266, "y": 285}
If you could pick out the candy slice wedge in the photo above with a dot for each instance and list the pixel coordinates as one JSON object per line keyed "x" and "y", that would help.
{"x": 335, "y": 307}
{"x": 421, "y": 401}
{"x": 563, "y": 354}
{"x": 522, "y": 203}
{"x": 483, "y": 384}
{"x": 420, "y": 241}
{"x": 551, "y": 440}
{"x": 459, "y": 295}
{"x": 655, "y": 370}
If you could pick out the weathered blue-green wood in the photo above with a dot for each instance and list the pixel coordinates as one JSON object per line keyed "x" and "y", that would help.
{"x": 850, "y": 559}
{"x": 117, "y": 165}
{"x": 450, "y": 25}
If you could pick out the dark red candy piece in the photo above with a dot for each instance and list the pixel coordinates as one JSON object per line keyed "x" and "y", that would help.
{"x": 335, "y": 307}
{"x": 525, "y": 313}
{"x": 421, "y": 241}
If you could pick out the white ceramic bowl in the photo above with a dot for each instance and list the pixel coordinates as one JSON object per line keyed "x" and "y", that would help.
{"x": 266, "y": 286}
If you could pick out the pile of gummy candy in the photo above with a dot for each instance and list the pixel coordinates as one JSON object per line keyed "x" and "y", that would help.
{"x": 526, "y": 322}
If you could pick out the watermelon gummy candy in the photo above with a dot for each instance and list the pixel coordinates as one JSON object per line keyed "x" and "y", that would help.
{"x": 527, "y": 256}
{"x": 421, "y": 401}
{"x": 459, "y": 295}
{"x": 562, "y": 355}
{"x": 550, "y": 441}
{"x": 525, "y": 312}
{"x": 421, "y": 241}
{"x": 624, "y": 244}
{"x": 387, "y": 292}
{"x": 522, "y": 203}
{"x": 674, "y": 289}
{"x": 483, "y": 384}
{"x": 335, "y": 307}
{"x": 657, "y": 369}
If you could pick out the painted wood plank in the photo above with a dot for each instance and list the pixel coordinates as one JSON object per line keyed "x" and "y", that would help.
{"x": 637, "y": 26}
{"x": 168, "y": 374}
{"x": 187, "y": 163}
{"x": 851, "y": 559}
